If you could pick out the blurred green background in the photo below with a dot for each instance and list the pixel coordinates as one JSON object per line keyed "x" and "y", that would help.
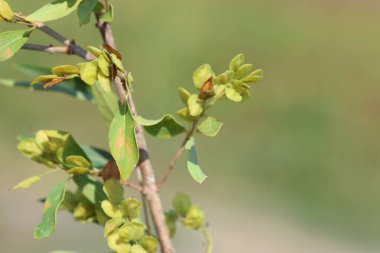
{"x": 295, "y": 169}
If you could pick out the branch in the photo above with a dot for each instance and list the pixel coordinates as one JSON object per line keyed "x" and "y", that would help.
{"x": 47, "y": 49}
{"x": 70, "y": 44}
{"x": 177, "y": 155}
{"x": 145, "y": 165}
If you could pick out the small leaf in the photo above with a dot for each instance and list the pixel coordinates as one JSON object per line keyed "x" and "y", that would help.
{"x": 184, "y": 114}
{"x": 224, "y": 78}
{"x": 104, "y": 65}
{"x": 195, "y": 218}
{"x": 149, "y": 243}
{"x": 11, "y": 42}
{"x": 104, "y": 82}
{"x": 112, "y": 225}
{"x": 65, "y": 70}
{"x": 181, "y": 203}
{"x": 95, "y": 51}
{"x": 52, "y": 203}
{"x": 233, "y": 95}
{"x": 136, "y": 248}
{"x": 166, "y": 127}
{"x": 192, "y": 163}
{"x": 255, "y": 76}
{"x": 54, "y": 10}
{"x": 195, "y": 106}
{"x": 201, "y": 75}
{"x": 27, "y": 183}
{"x": 114, "y": 191}
{"x": 78, "y": 161}
{"x": 132, "y": 231}
{"x": 89, "y": 72}
{"x": 85, "y": 10}
{"x": 108, "y": 16}
{"x": 236, "y": 62}
{"x": 117, "y": 62}
{"x": 243, "y": 71}
{"x": 111, "y": 210}
{"x": 44, "y": 79}
{"x": 184, "y": 94}
{"x": 78, "y": 170}
{"x": 131, "y": 208}
{"x": 5, "y": 10}
{"x": 122, "y": 141}
{"x": 210, "y": 127}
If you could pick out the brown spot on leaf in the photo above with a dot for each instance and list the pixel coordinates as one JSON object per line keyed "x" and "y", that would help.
{"x": 47, "y": 205}
{"x": 8, "y": 52}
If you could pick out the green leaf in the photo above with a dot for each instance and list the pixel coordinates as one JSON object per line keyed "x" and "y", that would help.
{"x": 202, "y": 74}
{"x": 195, "y": 218}
{"x": 243, "y": 71}
{"x": 54, "y": 10}
{"x": 108, "y": 16}
{"x": 52, "y": 203}
{"x": 106, "y": 102}
{"x": 236, "y": 62}
{"x": 233, "y": 95}
{"x": 150, "y": 244}
{"x": 195, "y": 106}
{"x": 11, "y": 42}
{"x": 98, "y": 157}
{"x": 104, "y": 82}
{"x": 210, "y": 127}
{"x": 122, "y": 141}
{"x": 85, "y": 10}
{"x": 114, "y": 191}
{"x": 112, "y": 225}
{"x": 166, "y": 127}
{"x": 131, "y": 208}
{"x": 88, "y": 72}
{"x": 5, "y": 10}
{"x": 44, "y": 79}
{"x": 91, "y": 189}
{"x": 27, "y": 183}
{"x": 65, "y": 70}
{"x": 78, "y": 161}
{"x": 181, "y": 203}
{"x": 192, "y": 163}
{"x": 184, "y": 94}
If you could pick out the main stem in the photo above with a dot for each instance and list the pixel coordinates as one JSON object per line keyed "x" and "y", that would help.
{"x": 145, "y": 165}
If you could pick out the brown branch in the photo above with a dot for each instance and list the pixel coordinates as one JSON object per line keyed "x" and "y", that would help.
{"x": 145, "y": 165}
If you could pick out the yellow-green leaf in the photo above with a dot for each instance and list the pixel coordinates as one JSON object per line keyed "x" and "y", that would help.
{"x": 104, "y": 82}
{"x": 195, "y": 106}
{"x": 54, "y": 10}
{"x": 106, "y": 102}
{"x": 5, "y": 10}
{"x": 243, "y": 71}
{"x": 236, "y": 62}
{"x": 210, "y": 127}
{"x": 166, "y": 127}
{"x": 104, "y": 65}
{"x": 149, "y": 243}
{"x": 78, "y": 161}
{"x": 122, "y": 141}
{"x": 114, "y": 191}
{"x": 63, "y": 70}
{"x": 11, "y": 42}
{"x": 111, "y": 225}
{"x": 95, "y": 51}
{"x": 44, "y": 79}
{"x": 181, "y": 203}
{"x": 195, "y": 218}
{"x": 192, "y": 163}
{"x": 89, "y": 72}
{"x": 202, "y": 74}
{"x": 49, "y": 216}
{"x": 27, "y": 183}
{"x": 184, "y": 94}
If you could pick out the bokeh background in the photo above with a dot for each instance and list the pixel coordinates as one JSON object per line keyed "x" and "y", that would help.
{"x": 295, "y": 169}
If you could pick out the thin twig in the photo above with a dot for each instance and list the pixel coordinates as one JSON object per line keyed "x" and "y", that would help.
{"x": 177, "y": 155}
{"x": 134, "y": 186}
